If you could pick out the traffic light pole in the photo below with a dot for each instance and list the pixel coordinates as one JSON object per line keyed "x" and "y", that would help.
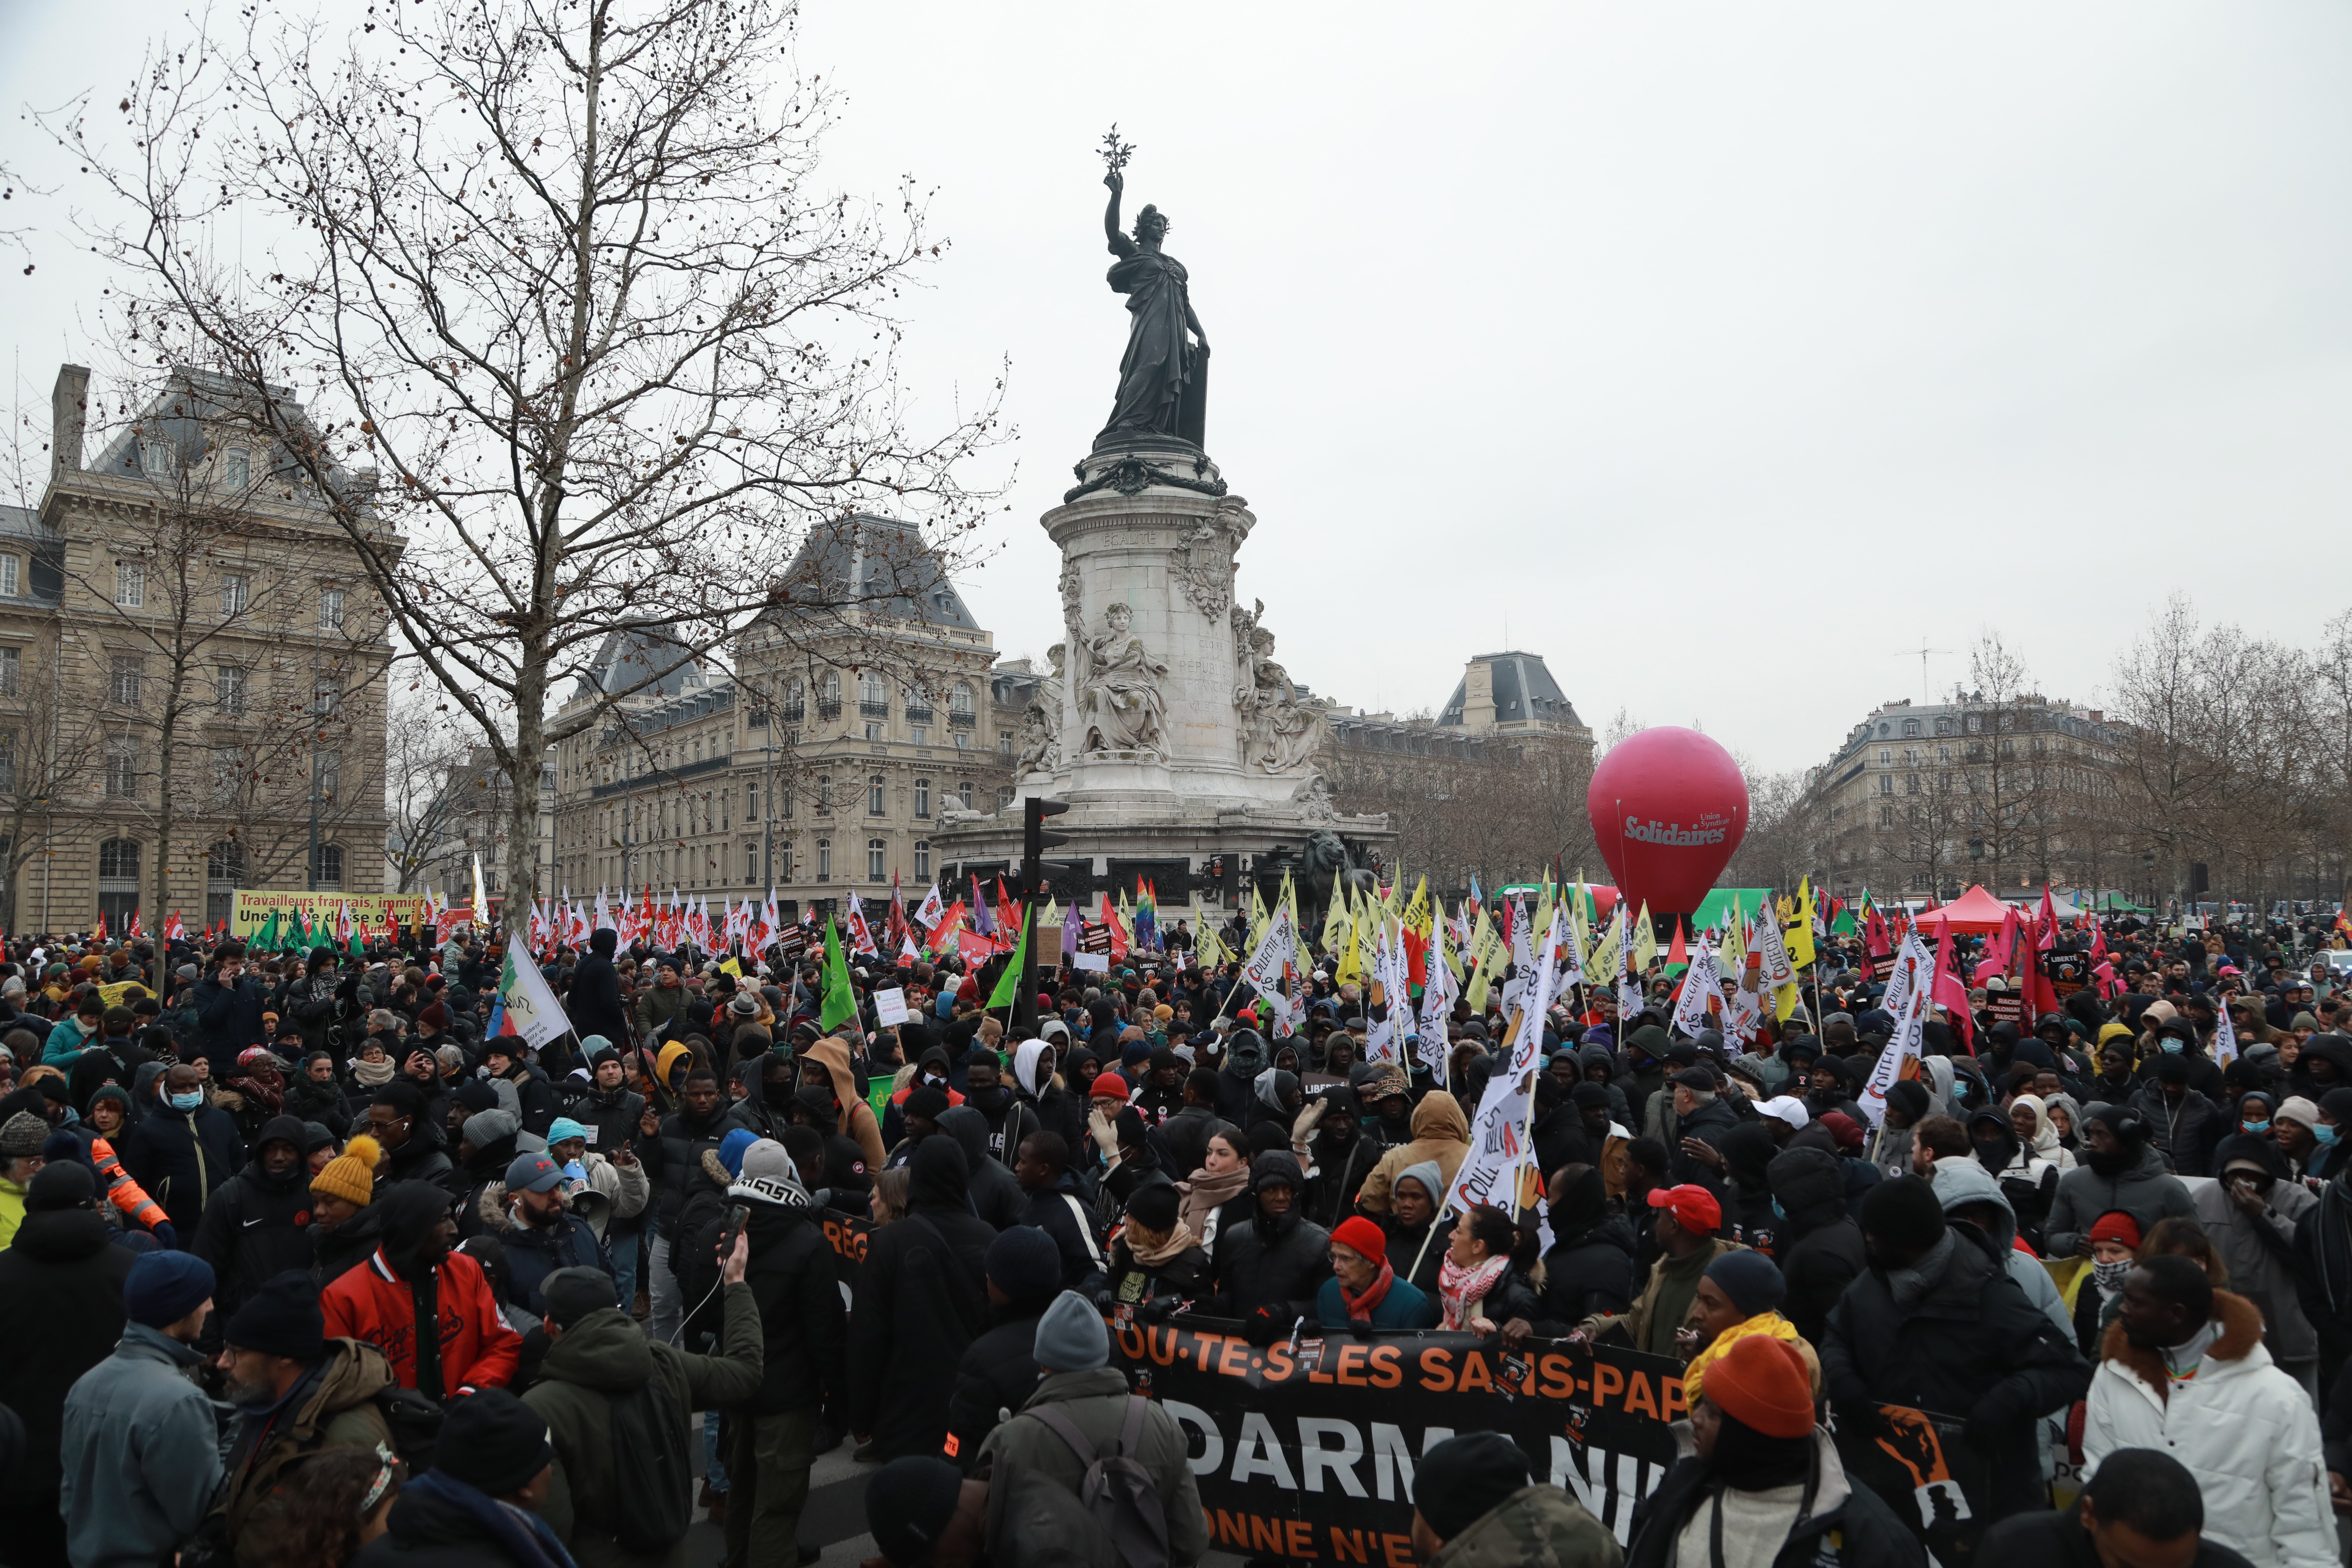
{"x": 1036, "y": 875}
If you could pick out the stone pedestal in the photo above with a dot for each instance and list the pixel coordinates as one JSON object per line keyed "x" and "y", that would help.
{"x": 1165, "y": 723}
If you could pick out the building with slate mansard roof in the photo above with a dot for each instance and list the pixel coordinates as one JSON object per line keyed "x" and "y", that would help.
{"x": 192, "y": 670}
{"x": 852, "y": 716}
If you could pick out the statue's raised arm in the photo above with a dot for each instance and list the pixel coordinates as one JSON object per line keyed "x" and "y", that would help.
{"x": 1119, "y": 244}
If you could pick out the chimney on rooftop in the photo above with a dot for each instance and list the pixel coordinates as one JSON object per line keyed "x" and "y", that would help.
{"x": 69, "y": 416}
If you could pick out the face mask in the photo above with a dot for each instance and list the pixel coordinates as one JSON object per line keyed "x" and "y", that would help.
{"x": 2325, "y": 1133}
{"x": 195, "y": 1097}
{"x": 2169, "y": 1045}
{"x": 935, "y": 1080}
{"x": 2110, "y": 1276}
{"x": 2254, "y": 1126}
{"x": 1777, "y": 1212}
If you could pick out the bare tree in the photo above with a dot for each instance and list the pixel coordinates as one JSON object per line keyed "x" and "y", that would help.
{"x": 51, "y": 754}
{"x": 426, "y": 747}
{"x": 207, "y": 629}
{"x": 565, "y": 275}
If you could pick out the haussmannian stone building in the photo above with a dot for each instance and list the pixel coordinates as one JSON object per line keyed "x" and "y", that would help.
{"x": 193, "y": 670}
{"x": 818, "y": 764}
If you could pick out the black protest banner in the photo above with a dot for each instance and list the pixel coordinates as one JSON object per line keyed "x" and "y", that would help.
{"x": 1918, "y": 1466}
{"x": 1305, "y": 1450}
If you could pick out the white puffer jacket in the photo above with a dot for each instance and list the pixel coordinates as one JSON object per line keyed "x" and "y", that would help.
{"x": 2243, "y": 1428}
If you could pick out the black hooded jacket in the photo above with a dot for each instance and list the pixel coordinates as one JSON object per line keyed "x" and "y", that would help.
{"x": 998, "y": 1373}
{"x": 61, "y": 1307}
{"x": 1344, "y": 1154}
{"x": 794, "y": 1278}
{"x": 1819, "y": 1247}
{"x": 920, "y": 1302}
{"x": 996, "y": 1197}
{"x": 1590, "y": 1268}
{"x": 1277, "y": 1262}
{"x": 259, "y": 1225}
{"x": 1971, "y": 1344}
{"x": 594, "y": 1003}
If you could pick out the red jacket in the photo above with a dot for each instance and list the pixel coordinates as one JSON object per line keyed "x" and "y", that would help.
{"x": 373, "y": 1303}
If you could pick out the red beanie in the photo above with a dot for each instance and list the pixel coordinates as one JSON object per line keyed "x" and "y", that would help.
{"x": 1360, "y": 1234}
{"x": 2116, "y": 1225}
{"x": 1106, "y": 1086}
{"x": 1762, "y": 1383}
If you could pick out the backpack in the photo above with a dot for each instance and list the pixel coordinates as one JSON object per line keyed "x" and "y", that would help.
{"x": 416, "y": 1423}
{"x": 1118, "y": 1490}
{"x": 653, "y": 1498}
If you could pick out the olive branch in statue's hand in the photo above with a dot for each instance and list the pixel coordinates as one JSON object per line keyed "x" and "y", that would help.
{"x": 1115, "y": 154}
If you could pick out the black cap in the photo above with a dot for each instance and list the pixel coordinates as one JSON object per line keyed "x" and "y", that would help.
{"x": 282, "y": 1317}
{"x": 1464, "y": 1478}
{"x": 492, "y": 1441}
{"x": 908, "y": 1504}
{"x": 572, "y": 1294}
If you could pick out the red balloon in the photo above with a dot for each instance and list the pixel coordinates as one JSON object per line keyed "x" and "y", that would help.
{"x": 1668, "y": 807}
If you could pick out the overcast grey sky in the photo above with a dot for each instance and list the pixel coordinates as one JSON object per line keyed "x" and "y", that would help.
{"x": 1720, "y": 352}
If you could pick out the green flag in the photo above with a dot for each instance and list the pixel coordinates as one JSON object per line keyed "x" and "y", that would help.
{"x": 840, "y": 1001}
{"x": 358, "y": 950}
{"x": 1008, "y": 984}
{"x": 266, "y": 941}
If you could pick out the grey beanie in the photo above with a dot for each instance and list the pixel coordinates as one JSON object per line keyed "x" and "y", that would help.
{"x": 484, "y": 1128}
{"x": 1071, "y": 1336}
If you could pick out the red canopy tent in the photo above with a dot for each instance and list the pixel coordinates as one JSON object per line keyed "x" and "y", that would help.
{"x": 1975, "y": 912}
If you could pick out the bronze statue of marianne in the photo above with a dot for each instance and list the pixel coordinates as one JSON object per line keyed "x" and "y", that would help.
{"x": 1163, "y": 380}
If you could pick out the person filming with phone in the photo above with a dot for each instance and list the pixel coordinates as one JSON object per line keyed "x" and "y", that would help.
{"x": 794, "y": 1282}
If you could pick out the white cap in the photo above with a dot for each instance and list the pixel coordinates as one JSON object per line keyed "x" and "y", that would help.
{"x": 1785, "y": 1108}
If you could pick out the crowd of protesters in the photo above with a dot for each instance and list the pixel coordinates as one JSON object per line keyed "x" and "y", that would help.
{"x": 270, "y": 1218}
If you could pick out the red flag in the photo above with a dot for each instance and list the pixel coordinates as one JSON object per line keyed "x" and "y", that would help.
{"x": 1951, "y": 992}
{"x": 1117, "y": 932}
{"x": 100, "y": 931}
{"x": 1676, "y": 952}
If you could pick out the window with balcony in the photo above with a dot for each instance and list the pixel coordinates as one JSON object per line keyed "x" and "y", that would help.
{"x": 796, "y": 702}
{"x": 872, "y": 697}
{"x": 919, "y": 705}
{"x": 825, "y": 859}
{"x": 824, "y": 795}
{"x": 923, "y": 799}
{"x": 875, "y": 795}
{"x": 959, "y": 707}
{"x": 828, "y": 701}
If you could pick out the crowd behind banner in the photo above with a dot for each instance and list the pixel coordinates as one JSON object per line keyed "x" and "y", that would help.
{"x": 1825, "y": 1228}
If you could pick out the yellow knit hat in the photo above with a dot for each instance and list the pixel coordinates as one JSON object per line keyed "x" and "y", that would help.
{"x": 350, "y": 1175}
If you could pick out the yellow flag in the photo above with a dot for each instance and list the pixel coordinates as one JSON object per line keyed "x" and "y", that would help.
{"x": 731, "y": 967}
{"x": 1335, "y": 923}
{"x": 1798, "y": 930}
{"x": 1352, "y": 960}
{"x": 1645, "y": 941}
{"x": 1259, "y": 919}
{"x": 1416, "y": 911}
{"x": 1482, "y": 944}
{"x": 1288, "y": 899}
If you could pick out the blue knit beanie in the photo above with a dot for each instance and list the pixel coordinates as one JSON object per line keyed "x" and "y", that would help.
{"x": 164, "y": 1286}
